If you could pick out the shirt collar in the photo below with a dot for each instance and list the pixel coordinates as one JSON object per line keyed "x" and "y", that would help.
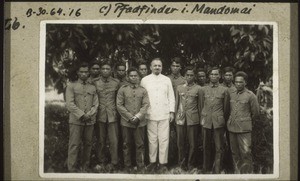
{"x": 227, "y": 85}
{"x": 105, "y": 80}
{"x": 176, "y": 77}
{"x": 213, "y": 85}
{"x": 123, "y": 79}
{"x": 81, "y": 82}
{"x": 91, "y": 80}
{"x": 156, "y": 75}
{"x": 240, "y": 92}
{"x": 133, "y": 85}
{"x": 190, "y": 85}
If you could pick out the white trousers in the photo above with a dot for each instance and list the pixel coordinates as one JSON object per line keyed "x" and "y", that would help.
{"x": 158, "y": 135}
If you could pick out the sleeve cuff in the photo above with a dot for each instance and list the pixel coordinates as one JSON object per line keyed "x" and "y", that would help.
{"x": 139, "y": 115}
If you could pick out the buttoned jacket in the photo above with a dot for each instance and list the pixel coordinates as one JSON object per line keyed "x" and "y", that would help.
{"x": 132, "y": 100}
{"x": 81, "y": 98}
{"x": 244, "y": 109}
{"x": 188, "y": 104}
{"x": 176, "y": 81}
{"x": 215, "y": 106}
{"x": 161, "y": 96}
{"x": 107, "y": 91}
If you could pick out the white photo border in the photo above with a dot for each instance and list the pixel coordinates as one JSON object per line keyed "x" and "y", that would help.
{"x": 158, "y": 176}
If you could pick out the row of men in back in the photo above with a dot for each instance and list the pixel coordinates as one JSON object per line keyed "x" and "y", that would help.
{"x": 148, "y": 104}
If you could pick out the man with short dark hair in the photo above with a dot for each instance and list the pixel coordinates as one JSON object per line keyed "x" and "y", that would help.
{"x": 121, "y": 74}
{"x": 143, "y": 70}
{"x": 244, "y": 109}
{"x": 188, "y": 111}
{"x": 215, "y": 101}
{"x": 201, "y": 77}
{"x": 82, "y": 103}
{"x": 175, "y": 75}
{"x": 132, "y": 104}
{"x": 94, "y": 71}
{"x": 228, "y": 73}
{"x": 176, "y": 79}
{"x": 107, "y": 124}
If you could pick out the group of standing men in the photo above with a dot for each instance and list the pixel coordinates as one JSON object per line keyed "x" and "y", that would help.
{"x": 143, "y": 103}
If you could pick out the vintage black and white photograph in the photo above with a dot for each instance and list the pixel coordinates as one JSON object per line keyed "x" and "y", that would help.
{"x": 175, "y": 98}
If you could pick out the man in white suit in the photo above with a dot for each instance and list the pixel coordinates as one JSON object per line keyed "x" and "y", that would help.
{"x": 159, "y": 115}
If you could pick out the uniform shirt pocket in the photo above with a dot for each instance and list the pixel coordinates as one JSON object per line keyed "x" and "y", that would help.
{"x": 245, "y": 124}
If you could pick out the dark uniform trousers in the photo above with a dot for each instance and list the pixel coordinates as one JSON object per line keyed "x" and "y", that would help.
{"x": 78, "y": 133}
{"x": 133, "y": 137}
{"x": 217, "y": 135}
{"x": 111, "y": 130}
{"x": 107, "y": 124}
{"x": 216, "y": 103}
{"x": 176, "y": 81}
{"x": 188, "y": 109}
{"x": 187, "y": 134}
{"x": 81, "y": 99}
{"x": 244, "y": 110}
{"x": 240, "y": 144}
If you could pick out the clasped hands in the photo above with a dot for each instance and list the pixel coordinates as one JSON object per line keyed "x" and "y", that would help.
{"x": 85, "y": 118}
{"x": 134, "y": 121}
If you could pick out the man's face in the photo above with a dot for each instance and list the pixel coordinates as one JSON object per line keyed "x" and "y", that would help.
{"x": 133, "y": 77}
{"x": 95, "y": 70}
{"x": 121, "y": 71}
{"x": 83, "y": 73}
{"x": 106, "y": 71}
{"x": 201, "y": 77}
{"x": 240, "y": 83}
{"x": 214, "y": 76}
{"x": 175, "y": 68}
{"x": 156, "y": 67}
{"x": 143, "y": 70}
{"x": 228, "y": 77}
{"x": 189, "y": 76}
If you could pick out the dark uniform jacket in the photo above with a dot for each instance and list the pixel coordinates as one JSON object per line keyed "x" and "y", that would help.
{"x": 107, "y": 91}
{"x": 132, "y": 100}
{"x": 81, "y": 98}
{"x": 176, "y": 81}
{"x": 200, "y": 85}
{"x": 188, "y": 104}
{"x": 92, "y": 80}
{"x": 215, "y": 106}
{"x": 231, "y": 88}
{"x": 123, "y": 82}
{"x": 244, "y": 108}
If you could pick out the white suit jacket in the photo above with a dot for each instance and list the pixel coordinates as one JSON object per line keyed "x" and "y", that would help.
{"x": 161, "y": 96}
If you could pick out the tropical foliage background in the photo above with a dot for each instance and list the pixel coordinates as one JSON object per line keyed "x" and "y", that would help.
{"x": 244, "y": 47}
